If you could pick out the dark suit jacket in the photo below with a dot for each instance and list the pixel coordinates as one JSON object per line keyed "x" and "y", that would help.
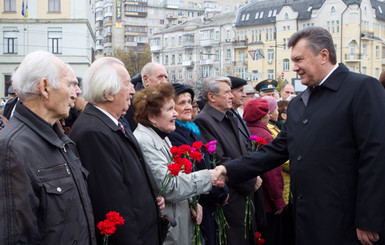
{"x": 118, "y": 178}
{"x": 9, "y": 107}
{"x": 215, "y": 125}
{"x": 337, "y": 153}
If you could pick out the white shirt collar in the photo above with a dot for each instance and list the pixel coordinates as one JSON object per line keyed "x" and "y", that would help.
{"x": 328, "y": 75}
{"x": 109, "y": 115}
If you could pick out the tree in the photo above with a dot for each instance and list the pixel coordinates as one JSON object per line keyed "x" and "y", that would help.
{"x": 133, "y": 61}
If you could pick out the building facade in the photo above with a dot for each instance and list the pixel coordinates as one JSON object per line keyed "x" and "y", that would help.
{"x": 65, "y": 28}
{"x": 199, "y": 48}
{"x": 357, "y": 27}
{"x": 128, "y": 24}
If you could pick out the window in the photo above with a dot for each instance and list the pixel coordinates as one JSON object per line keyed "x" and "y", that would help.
{"x": 364, "y": 50}
{"x": 248, "y": 16}
{"x": 161, "y": 22}
{"x": 377, "y": 51}
{"x": 9, "y": 5}
{"x": 217, "y": 54}
{"x": 242, "y": 57}
{"x": 270, "y": 74}
{"x": 10, "y": 42}
{"x": 180, "y": 40}
{"x": 364, "y": 70}
{"x": 286, "y": 64}
{"x": 53, "y": 5}
{"x": 189, "y": 74}
{"x": 166, "y": 42}
{"x": 228, "y": 54}
{"x": 180, "y": 75}
{"x": 173, "y": 41}
{"x": 270, "y": 55}
{"x": 55, "y": 41}
{"x": 286, "y": 16}
{"x": 352, "y": 51}
{"x": 228, "y": 36}
{"x": 166, "y": 59}
{"x": 377, "y": 73}
{"x": 173, "y": 59}
{"x": 217, "y": 35}
{"x": 337, "y": 25}
{"x": 180, "y": 58}
{"x": 257, "y": 15}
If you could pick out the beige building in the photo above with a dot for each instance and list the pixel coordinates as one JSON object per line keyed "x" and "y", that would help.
{"x": 264, "y": 28}
{"x": 129, "y": 24}
{"x": 64, "y": 28}
{"x": 197, "y": 49}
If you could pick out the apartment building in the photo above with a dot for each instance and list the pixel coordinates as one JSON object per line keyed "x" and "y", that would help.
{"x": 129, "y": 24}
{"x": 197, "y": 49}
{"x": 264, "y": 28}
{"x": 65, "y": 28}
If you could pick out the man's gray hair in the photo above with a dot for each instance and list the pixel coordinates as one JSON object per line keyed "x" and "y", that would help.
{"x": 102, "y": 77}
{"x": 147, "y": 69}
{"x": 35, "y": 66}
{"x": 211, "y": 85}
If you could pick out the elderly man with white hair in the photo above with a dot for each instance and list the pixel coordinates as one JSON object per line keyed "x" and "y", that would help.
{"x": 43, "y": 192}
{"x": 153, "y": 73}
{"x": 118, "y": 179}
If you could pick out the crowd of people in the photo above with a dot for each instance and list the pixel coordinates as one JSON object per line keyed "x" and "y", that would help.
{"x": 72, "y": 150}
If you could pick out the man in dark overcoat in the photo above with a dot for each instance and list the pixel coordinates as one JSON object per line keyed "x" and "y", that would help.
{"x": 334, "y": 139}
{"x": 216, "y": 122}
{"x": 118, "y": 179}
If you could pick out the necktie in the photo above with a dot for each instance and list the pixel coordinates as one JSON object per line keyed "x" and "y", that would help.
{"x": 306, "y": 95}
{"x": 121, "y": 127}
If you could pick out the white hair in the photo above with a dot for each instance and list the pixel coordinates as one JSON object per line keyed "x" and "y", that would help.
{"x": 211, "y": 84}
{"x": 35, "y": 66}
{"x": 102, "y": 77}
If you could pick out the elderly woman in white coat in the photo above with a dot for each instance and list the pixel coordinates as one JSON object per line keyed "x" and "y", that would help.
{"x": 155, "y": 114}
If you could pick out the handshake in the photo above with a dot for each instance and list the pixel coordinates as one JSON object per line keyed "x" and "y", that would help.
{"x": 218, "y": 176}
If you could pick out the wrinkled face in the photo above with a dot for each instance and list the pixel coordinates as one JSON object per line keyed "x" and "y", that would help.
{"x": 239, "y": 97}
{"x": 183, "y": 107}
{"x": 287, "y": 91}
{"x": 121, "y": 100}
{"x": 224, "y": 99}
{"x": 248, "y": 98}
{"x": 157, "y": 76}
{"x": 274, "y": 114}
{"x": 61, "y": 100}
{"x": 165, "y": 121}
{"x": 195, "y": 110}
{"x": 306, "y": 64}
{"x": 270, "y": 93}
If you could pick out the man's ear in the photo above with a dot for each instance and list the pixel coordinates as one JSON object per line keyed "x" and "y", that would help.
{"x": 145, "y": 80}
{"x": 44, "y": 87}
{"x": 108, "y": 96}
{"x": 211, "y": 97}
{"x": 325, "y": 55}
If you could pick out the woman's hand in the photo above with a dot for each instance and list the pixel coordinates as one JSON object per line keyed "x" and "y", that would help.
{"x": 161, "y": 203}
{"x": 258, "y": 184}
{"x": 198, "y": 214}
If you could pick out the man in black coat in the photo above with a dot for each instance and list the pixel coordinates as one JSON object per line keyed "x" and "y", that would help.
{"x": 44, "y": 198}
{"x": 118, "y": 179}
{"x": 216, "y": 122}
{"x": 334, "y": 139}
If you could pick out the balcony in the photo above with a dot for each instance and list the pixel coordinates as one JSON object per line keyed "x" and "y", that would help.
{"x": 240, "y": 44}
{"x": 206, "y": 62}
{"x": 353, "y": 57}
{"x": 107, "y": 44}
{"x": 156, "y": 48}
{"x": 188, "y": 63}
{"x": 207, "y": 42}
{"x": 171, "y": 17}
{"x": 188, "y": 44}
{"x": 99, "y": 47}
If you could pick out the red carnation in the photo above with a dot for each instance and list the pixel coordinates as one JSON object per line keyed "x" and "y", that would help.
{"x": 174, "y": 150}
{"x": 196, "y": 155}
{"x": 174, "y": 169}
{"x": 106, "y": 227}
{"x": 115, "y": 218}
{"x": 197, "y": 145}
{"x": 183, "y": 149}
{"x": 261, "y": 241}
{"x": 187, "y": 166}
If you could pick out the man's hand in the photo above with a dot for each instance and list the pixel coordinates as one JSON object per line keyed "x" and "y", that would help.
{"x": 161, "y": 203}
{"x": 258, "y": 183}
{"x": 367, "y": 237}
{"x": 218, "y": 176}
